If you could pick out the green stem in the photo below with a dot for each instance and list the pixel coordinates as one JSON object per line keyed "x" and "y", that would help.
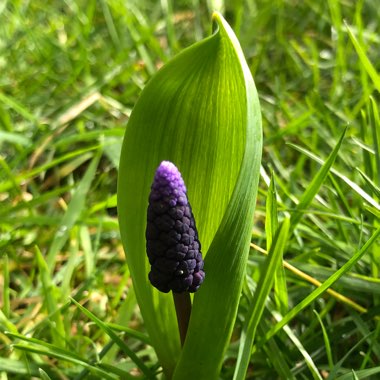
{"x": 182, "y": 304}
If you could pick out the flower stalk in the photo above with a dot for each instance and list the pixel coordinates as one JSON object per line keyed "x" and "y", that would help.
{"x": 182, "y": 303}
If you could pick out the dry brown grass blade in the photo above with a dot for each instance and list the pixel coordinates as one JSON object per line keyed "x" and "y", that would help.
{"x": 315, "y": 282}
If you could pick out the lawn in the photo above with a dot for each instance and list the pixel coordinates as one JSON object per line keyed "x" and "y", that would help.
{"x": 71, "y": 74}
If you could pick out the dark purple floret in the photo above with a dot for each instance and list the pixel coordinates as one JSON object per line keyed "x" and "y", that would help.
{"x": 172, "y": 244}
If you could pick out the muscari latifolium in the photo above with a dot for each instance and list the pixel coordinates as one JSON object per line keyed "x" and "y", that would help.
{"x": 194, "y": 137}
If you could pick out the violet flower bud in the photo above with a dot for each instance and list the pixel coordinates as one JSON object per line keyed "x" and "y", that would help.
{"x": 172, "y": 244}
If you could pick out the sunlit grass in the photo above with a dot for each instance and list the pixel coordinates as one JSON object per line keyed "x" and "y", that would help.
{"x": 72, "y": 72}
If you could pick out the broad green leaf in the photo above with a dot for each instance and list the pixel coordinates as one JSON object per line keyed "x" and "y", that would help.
{"x": 201, "y": 112}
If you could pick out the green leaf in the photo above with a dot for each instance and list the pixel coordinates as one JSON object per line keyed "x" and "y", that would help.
{"x": 271, "y": 217}
{"x": 6, "y": 287}
{"x": 350, "y": 183}
{"x": 13, "y": 366}
{"x": 17, "y": 107}
{"x": 354, "y": 375}
{"x": 375, "y": 126}
{"x": 271, "y": 225}
{"x": 308, "y": 359}
{"x": 369, "y": 68}
{"x": 37, "y": 346}
{"x": 13, "y": 138}
{"x": 201, "y": 112}
{"x": 326, "y": 340}
{"x": 116, "y": 339}
{"x": 258, "y": 302}
{"x": 315, "y": 184}
{"x": 73, "y": 212}
{"x": 66, "y": 356}
{"x": 51, "y": 296}
{"x": 339, "y": 365}
{"x": 323, "y": 287}
{"x": 360, "y": 374}
{"x": 375, "y": 189}
{"x": 279, "y": 361}
{"x": 44, "y": 375}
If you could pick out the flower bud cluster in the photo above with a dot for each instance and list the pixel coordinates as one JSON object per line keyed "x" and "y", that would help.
{"x": 172, "y": 244}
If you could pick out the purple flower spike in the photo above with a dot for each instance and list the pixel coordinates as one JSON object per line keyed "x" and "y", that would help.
{"x": 172, "y": 244}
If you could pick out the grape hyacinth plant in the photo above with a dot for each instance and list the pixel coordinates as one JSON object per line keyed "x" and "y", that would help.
{"x": 200, "y": 112}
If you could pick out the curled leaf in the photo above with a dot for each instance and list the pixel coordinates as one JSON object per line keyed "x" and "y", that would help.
{"x": 201, "y": 112}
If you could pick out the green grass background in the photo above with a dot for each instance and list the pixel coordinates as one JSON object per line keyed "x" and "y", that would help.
{"x": 71, "y": 71}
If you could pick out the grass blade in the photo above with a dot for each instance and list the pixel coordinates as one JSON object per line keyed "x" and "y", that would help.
{"x": 271, "y": 218}
{"x": 315, "y": 185}
{"x": 338, "y": 365}
{"x": 271, "y": 225}
{"x": 350, "y": 183}
{"x": 44, "y": 375}
{"x": 308, "y": 359}
{"x": 73, "y": 212}
{"x": 326, "y": 340}
{"x": 351, "y": 281}
{"x": 258, "y": 302}
{"x": 17, "y": 367}
{"x": 50, "y": 294}
{"x": 324, "y": 286}
{"x": 375, "y": 127}
{"x": 279, "y": 361}
{"x": 65, "y": 357}
{"x": 370, "y": 183}
{"x": 6, "y": 289}
{"x": 361, "y": 374}
{"x": 147, "y": 372}
{"x": 370, "y": 69}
